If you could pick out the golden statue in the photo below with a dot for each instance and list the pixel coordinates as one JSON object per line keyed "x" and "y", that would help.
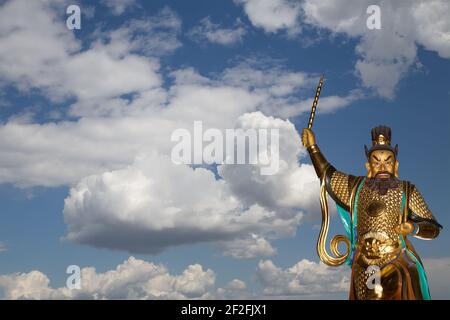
{"x": 379, "y": 211}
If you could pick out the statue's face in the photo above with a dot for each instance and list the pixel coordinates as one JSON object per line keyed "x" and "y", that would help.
{"x": 382, "y": 164}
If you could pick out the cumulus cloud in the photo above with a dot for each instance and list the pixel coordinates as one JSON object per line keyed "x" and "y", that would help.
{"x": 55, "y": 64}
{"x": 293, "y": 186}
{"x": 153, "y": 36}
{"x": 385, "y": 56}
{"x": 153, "y": 205}
{"x": 236, "y": 289}
{"x": 250, "y": 247}
{"x": 431, "y": 25}
{"x": 139, "y": 279}
{"x": 133, "y": 279}
{"x": 304, "y": 278}
{"x": 284, "y": 91}
{"x": 3, "y": 247}
{"x": 118, "y": 7}
{"x": 272, "y": 15}
{"x": 206, "y": 30}
{"x": 236, "y": 284}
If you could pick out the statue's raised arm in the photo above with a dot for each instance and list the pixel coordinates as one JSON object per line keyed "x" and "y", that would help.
{"x": 339, "y": 185}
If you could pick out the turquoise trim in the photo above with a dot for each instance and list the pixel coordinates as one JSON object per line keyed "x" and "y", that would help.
{"x": 422, "y": 275}
{"x": 403, "y": 202}
{"x": 349, "y": 225}
{"x": 346, "y": 221}
{"x": 345, "y": 217}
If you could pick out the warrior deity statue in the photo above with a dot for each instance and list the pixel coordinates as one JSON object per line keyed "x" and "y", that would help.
{"x": 379, "y": 211}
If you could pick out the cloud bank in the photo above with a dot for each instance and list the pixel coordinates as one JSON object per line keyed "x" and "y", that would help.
{"x": 385, "y": 56}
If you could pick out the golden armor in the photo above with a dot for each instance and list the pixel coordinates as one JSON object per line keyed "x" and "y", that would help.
{"x": 379, "y": 211}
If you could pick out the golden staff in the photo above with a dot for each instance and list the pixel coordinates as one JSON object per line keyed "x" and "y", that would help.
{"x": 314, "y": 105}
{"x": 338, "y": 258}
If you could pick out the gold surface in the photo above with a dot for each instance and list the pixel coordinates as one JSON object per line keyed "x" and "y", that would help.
{"x": 381, "y": 140}
{"x": 377, "y": 247}
{"x": 378, "y": 217}
{"x": 418, "y": 205}
{"x": 385, "y": 223}
{"x": 376, "y": 208}
{"x": 339, "y": 186}
{"x": 360, "y": 279}
{"x": 314, "y": 105}
{"x": 381, "y": 161}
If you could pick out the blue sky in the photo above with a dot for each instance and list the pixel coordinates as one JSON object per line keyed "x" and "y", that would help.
{"x": 85, "y": 138}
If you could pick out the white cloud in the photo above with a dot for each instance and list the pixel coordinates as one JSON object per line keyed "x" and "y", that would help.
{"x": 293, "y": 186}
{"x": 118, "y": 7}
{"x": 384, "y": 56}
{"x": 250, "y": 247}
{"x": 236, "y": 289}
{"x": 432, "y": 25}
{"x": 304, "y": 278}
{"x": 3, "y": 247}
{"x": 438, "y": 273}
{"x": 261, "y": 74}
{"x": 236, "y": 284}
{"x": 155, "y": 209}
{"x": 283, "y": 91}
{"x": 55, "y": 65}
{"x": 110, "y": 134}
{"x": 214, "y": 33}
{"x": 153, "y": 36}
{"x": 272, "y": 15}
{"x": 287, "y": 107}
{"x": 346, "y": 17}
{"x": 133, "y": 279}
{"x": 139, "y": 279}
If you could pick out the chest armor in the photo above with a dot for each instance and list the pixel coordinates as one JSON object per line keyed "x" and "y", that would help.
{"x": 378, "y": 217}
{"x": 378, "y": 242}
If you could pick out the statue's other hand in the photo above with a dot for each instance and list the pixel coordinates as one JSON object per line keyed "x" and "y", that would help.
{"x": 405, "y": 228}
{"x": 308, "y": 138}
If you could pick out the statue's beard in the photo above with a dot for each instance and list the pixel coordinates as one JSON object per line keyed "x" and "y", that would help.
{"x": 383, "y": 185}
